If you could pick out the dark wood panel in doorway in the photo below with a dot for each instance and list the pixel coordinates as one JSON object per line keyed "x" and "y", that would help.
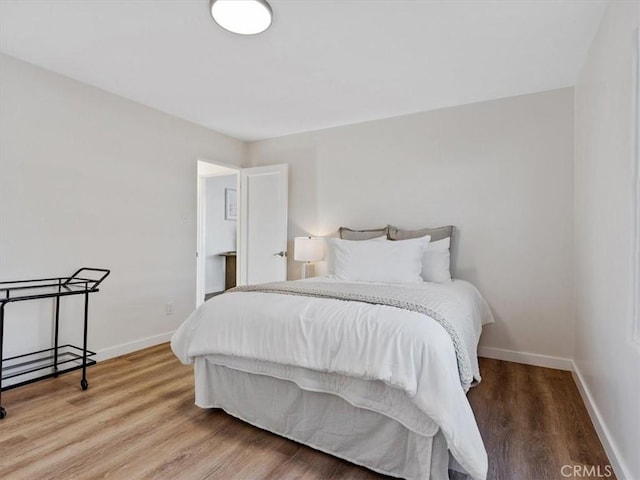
{"x": 229, "y": 269}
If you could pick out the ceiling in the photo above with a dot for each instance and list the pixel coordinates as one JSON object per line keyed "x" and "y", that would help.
{"x": 322, "y": 63}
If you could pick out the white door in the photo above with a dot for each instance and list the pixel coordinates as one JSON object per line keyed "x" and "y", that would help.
{"x": 262, "y": 230}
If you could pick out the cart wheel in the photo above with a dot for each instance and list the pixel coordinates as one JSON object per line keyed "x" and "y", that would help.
{"x": 84, "y": 384}
{"x": 3, "y": 413}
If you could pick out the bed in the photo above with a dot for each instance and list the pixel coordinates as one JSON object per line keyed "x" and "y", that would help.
{"x": 372, "y": 372}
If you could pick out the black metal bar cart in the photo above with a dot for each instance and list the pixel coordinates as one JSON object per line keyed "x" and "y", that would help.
{"x": 50, "y": 362}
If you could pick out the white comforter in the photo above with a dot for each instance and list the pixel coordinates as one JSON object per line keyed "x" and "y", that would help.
{"x": 406, "y": 351}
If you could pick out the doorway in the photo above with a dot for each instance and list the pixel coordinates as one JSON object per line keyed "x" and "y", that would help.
{"x": 217, "y": 229}
{"x": 241, "y": 226}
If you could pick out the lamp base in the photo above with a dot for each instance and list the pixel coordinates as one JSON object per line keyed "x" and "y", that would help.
{"x": 308, "y": 270}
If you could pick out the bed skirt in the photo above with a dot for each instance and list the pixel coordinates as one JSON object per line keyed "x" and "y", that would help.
{"x": 323, "y": 421}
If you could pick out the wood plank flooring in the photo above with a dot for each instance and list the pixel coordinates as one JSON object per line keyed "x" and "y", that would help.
{"x": 138, "y": 421}
{"x": 533, "y": 422}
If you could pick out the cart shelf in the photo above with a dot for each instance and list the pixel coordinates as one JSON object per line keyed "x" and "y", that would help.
{"x": 50, "y": 362}
{"x": 34, "y": 366}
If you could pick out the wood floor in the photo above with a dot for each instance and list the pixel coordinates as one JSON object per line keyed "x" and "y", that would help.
{"x": 138, "y": 421}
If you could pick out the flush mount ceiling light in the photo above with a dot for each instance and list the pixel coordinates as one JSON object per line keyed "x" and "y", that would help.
{"x": 246, "y": 17}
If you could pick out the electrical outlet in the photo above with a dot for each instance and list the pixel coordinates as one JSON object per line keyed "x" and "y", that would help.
{"x": 169, "y": 308}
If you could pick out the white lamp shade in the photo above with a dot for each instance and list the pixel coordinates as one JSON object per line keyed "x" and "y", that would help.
{"x": 308, "y": 249}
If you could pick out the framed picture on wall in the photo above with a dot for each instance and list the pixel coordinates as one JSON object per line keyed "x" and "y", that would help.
{"x": 230, "y": 204}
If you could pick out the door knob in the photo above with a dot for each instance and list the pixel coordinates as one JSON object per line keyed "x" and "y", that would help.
{"x": 280, "y": 254}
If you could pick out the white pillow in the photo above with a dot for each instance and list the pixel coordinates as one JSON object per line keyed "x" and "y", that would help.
{"x": 330, "y": 255}
{"x": 435, "y": 261}
{"x": 378, "y": 261}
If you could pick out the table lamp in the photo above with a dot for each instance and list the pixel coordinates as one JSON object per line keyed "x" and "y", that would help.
{"x": 308, "y": 249}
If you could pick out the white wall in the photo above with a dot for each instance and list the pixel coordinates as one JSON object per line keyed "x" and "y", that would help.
{"x": 220, "y": 234}
{"x": 501, "y": 171}
{"x": 90, "y": 179}
{"x": 607, "y": 359}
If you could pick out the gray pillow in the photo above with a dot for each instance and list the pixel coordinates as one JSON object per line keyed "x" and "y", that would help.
{"x": 350, "y": 234}
{"x": 436, "y": 233}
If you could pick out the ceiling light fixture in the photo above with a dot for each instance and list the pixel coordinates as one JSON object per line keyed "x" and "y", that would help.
{"x": 246, "y": 17}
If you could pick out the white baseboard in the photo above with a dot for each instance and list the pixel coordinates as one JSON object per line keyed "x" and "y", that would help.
{"x": 129, "y": 347}
{"x": 535, "y": 359}
{"x": 621, "y": 471}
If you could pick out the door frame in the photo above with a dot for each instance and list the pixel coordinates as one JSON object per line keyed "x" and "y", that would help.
{"x": 201, "y": 195}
